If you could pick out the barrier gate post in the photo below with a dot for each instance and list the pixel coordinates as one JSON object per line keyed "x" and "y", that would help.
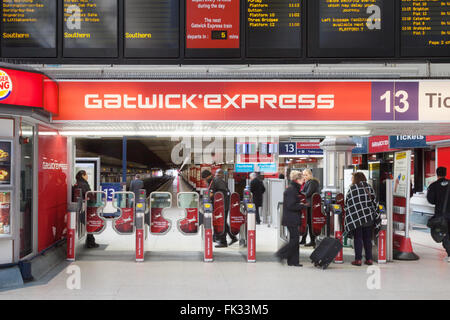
{"x": 251, "y": 232}
{"x": 140, "y": 217}
{"x": 382, "y": 256}
{"x": 71, "y": 230}
{"x": 337, "y": 231}
{"x": 207, "y": 233}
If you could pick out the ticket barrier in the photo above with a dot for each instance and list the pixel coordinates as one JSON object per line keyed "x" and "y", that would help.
{"x": 337, "y": 214}
{"x": 88, "y": 217}
{"x": 207, "y": 232}
{"x": 381, "y": 242}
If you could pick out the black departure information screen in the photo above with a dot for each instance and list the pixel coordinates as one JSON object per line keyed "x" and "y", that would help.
{"x": 90, "y": 28}
{"x": 273, "y": 28}
{"x": 425, "y": 28}
{"x": 152, "y": 28}
{"x": 28, "y": 28}
{"x": 351, "y": 28}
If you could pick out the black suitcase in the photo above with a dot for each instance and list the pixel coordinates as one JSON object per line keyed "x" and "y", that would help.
{"x": 325, "y": 253}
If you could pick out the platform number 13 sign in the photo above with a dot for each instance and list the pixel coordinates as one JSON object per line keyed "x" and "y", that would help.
{"x": 395, "y": 101}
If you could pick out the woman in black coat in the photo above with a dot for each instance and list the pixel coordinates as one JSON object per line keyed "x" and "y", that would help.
{"x": 82, "y": 183}
{"x": 292, "y": 219}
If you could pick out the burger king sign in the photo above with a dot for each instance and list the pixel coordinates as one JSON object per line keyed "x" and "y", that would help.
{"x": 6, "y": 85}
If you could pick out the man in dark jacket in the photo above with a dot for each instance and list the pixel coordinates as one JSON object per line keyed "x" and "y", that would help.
{"x": 219, "y": 185}
{"x": 136, "y": 185}
{"x": 292, "y": 219}
{"x": 257, "y": 189}
{"x": 311, "y": 187}
{"x": 437, "y": 193}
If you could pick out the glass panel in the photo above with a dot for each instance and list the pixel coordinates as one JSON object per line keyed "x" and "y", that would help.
{"x": 26, "y": 189}
{"x": 5, "y": 213}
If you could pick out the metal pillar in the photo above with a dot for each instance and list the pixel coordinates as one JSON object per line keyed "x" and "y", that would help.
{"x": 124, "y": 160}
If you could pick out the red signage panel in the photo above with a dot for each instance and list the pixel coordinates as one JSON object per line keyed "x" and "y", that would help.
{"x": 379, "y": 144}
{"x": 212, "y": 25}
{"x": 52, "y": 189}
{"x": 215, "y": 100}
{"x": 21, "y": 88}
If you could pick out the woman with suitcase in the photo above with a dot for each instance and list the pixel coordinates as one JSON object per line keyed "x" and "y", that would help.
{"x": 361, "y": 217}
{"x": 291, "y": 219}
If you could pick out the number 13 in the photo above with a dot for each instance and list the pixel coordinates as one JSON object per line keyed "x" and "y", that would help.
{"x": 403, "y": 103}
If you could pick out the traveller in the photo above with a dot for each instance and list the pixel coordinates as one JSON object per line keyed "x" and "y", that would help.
{"x": 312, "y": 186}
{"x": 281, "y": 176}
{"x": 257, "y": 189}
{"x": 439, "y": 195}
{"x": 136, "y": 185}
{"x": 292, "y": 219}
{"x": 361, "y": 217}
{"x": 82, "y": 183}
{"x": 219, "y": 185}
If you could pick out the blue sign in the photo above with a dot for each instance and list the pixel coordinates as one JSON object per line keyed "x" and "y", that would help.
{"x": 288, "y": 148}
{"x": 405, "y": 141}
{"x": 362, "y": 145}
{"x": 244, "y": 167}
{"x": 309, "y": 152}
{"x": 109, "y": 188}
{"x": 267, "y": 167}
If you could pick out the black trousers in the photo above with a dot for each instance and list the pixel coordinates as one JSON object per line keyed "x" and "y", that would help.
{"x": 291, "y": 251}
{"x": 309, "y": 227}
{"x": 90, "y": 239}
{"x": 363, "y": 237}
{"x": 258, "y": 218}
{"x": 223, "y": 237}
{"x": 446, "y": 241}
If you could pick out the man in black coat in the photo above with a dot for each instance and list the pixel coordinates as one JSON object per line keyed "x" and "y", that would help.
{"x": 437, "y": 194}
{"x": 312, "y": 186}
{"x": 257, "y": 189}
{"x": 292, "y": 220}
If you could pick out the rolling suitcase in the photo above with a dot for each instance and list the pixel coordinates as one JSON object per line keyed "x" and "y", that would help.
{"x": 325, "y": 253}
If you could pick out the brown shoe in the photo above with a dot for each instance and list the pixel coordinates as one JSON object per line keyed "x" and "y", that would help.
{"x": 368, "y": 262}
{"x": 357, "y": 263}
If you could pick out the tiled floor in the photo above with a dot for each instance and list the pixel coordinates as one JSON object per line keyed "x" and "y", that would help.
{"x": 173, "y": 269}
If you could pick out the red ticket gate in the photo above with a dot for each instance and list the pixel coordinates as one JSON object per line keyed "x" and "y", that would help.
{"x": 189, "y": 201}
{"x": 89, "y": 218}
{"x": 319, "y": 219}
{"x": 304, "y": 217}
{"x": 157, "y": 202}
{"x": 218, "y": 216}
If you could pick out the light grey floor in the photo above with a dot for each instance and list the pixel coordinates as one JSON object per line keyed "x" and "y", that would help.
{"x": 173, "y": 269}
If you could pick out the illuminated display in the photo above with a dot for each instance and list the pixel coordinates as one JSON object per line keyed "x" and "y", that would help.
{"x": 273, "y": 28}
{"x": 212, "y": 28}
{"x": 425, "y": 28}
{"x": 29, "y": 28}
{"x": 90, "y": 28}
{"x": 152, "y": 28}
{"x": 352, "y": 28}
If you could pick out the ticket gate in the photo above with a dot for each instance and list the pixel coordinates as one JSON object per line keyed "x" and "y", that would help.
{"x": 88, "y": 217}
{"x": 156, "y": 203}
{"x": 337, "y": 214}
{"x": 207, "y": 232}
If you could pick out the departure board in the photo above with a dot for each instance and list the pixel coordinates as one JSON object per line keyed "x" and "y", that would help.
{"x": 152, "y": 28}
{"x": 212, "y": 28}
{"x": 90, "y": 28}
{"x": 351, "y": 28}
{"x": 425, "y": 28}
{"x": 273, "y": 28}
{"x": 28, "y": 28}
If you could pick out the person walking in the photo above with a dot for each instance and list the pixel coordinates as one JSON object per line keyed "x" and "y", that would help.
{"x": 257, "y": 189}
{"x": 292, "y": 219}
{"x": 219, "y": 185}
{"x": 82, "y": 183}
{"x": 361, "y": 217}
{"x": 136, "y": 185}
{"x": 439, "y": 195}
{"x": 312, "y": 186}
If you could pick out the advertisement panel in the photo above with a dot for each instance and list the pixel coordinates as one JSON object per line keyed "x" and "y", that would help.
{"x": 407, "y": 141}
{"x": 402, "y": 167}
{"x": 53, "y": 178}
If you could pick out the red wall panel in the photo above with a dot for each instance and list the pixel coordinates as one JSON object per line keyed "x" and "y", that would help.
{"x": 52, "y": 185}
{"x": 444, "y": 157}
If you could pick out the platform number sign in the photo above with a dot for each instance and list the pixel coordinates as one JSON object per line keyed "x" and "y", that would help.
{"x": 110, "y": 188}
{"x": 288, "y": 148}
{"x": 395, "y": 101}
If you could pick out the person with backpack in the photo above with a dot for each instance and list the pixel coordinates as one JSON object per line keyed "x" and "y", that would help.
{"x": 439, "y": 194}
{"x": 361, "y": 217}
{"x": 257, "y": 189}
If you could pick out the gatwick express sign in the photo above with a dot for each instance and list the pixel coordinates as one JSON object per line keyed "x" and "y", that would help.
{"x": 254, "y": 100}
